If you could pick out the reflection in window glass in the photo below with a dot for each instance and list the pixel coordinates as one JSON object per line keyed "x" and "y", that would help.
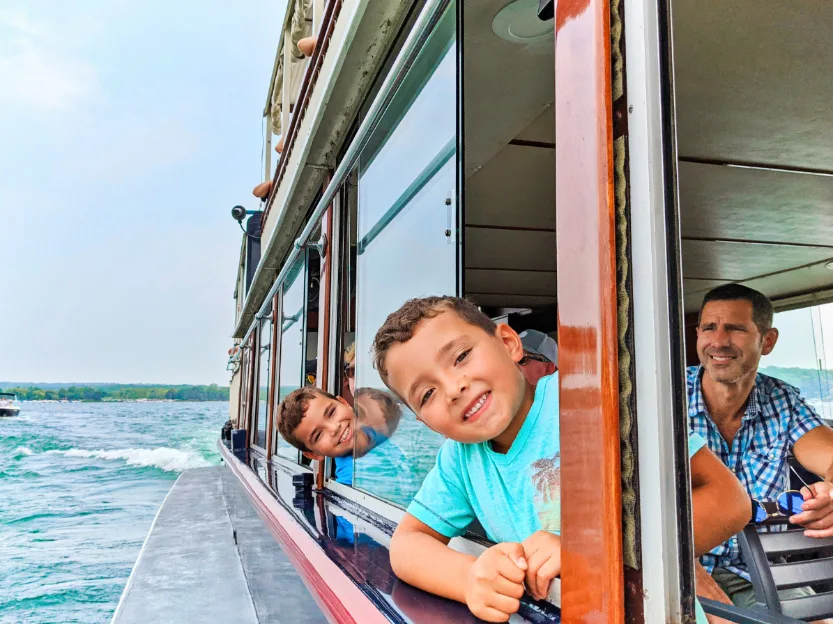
{"x": 313, "y": 295}
{"x": 263, "y": 408}
{"x": 803, "y": 355}
{"x": 292, "y": 342}
{"x": 406, "y": 248}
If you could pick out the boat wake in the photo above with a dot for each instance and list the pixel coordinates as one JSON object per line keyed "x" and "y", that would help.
{"x": 163, "y": 458}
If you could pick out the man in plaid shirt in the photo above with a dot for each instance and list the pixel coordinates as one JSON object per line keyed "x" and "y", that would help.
{"x": 752, "y": 422}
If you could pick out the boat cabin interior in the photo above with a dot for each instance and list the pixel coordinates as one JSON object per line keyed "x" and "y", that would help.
{"x": 447, "y": 184}
{"x": 755, "y": 146}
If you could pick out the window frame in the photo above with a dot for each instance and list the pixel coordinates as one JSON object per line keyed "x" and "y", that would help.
{"x": 277, "y": 335}
{"x": 269, "y": 385}
{"x": 247, "y": 372}
{"x": 342, "y": 232}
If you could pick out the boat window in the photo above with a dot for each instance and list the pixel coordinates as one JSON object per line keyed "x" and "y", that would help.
{"x": 244, "y": 420}
{"x": 312, "y": 298}
{"x": 292, "y": 367}
{"x": 264, "y": 369}
{"x": 346, "y": 380}
{"x": 803, "y": 355}
{"x": 406, "y": 247}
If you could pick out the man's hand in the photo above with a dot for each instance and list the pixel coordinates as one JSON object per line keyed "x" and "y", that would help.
{"x": 543, "y": 557}
{"x": 495, "y": 582}
{"x": 817, "y": 512}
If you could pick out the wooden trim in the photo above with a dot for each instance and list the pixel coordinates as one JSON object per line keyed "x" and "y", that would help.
{"x": 591, "y": 507}
{"x": 324, "y": 311}
{"x": 338, "y": 597}
{"x": 273, "y": 359}
{"x": 324, "y": 35}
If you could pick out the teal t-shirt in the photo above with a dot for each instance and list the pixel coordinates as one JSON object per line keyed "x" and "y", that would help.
{"x": 513, "y": 494}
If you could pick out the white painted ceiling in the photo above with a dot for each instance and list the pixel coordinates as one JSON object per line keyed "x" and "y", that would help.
{"x": 753, "y": 87}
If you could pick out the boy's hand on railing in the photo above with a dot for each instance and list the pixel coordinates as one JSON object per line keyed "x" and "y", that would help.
{"x": 817, "y": 514}
{"x": 495, "y": 582}
{"x": 542, "y": 550}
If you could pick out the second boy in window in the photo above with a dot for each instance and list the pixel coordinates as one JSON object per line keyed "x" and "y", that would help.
{"x": 459, "y": 373}
{"x": 322, "y": 425}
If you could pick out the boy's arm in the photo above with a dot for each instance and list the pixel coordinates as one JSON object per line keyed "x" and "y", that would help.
{"x": 707, "y": 587}
{"x": 491, "y": 584}
{"x": 720, "y": 505}
{"x": 421, "y": 556}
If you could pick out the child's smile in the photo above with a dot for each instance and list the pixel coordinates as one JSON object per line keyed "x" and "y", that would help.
{"x": 477, "y": 407}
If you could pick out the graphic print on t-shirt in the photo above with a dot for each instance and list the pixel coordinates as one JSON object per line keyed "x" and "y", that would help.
{"x": 546, "y": 481}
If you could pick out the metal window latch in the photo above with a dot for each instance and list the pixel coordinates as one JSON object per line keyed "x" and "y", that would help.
{"x": 448, "y": 217}
{"x": 319, "y": 246}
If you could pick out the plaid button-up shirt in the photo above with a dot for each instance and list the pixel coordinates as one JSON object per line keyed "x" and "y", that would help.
{"x": 776, "y": 417}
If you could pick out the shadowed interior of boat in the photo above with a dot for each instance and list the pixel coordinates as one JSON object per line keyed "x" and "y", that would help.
{"x": 754, "y": 141}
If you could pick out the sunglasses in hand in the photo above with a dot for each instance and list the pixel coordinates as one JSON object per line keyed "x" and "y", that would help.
{"x": 787, "y": 503}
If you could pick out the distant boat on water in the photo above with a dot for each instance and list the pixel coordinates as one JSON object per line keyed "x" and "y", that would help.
{"x": 8, "y": 404}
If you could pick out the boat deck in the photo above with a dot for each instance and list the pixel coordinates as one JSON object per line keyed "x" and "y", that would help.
{"x": 209, "y": 557}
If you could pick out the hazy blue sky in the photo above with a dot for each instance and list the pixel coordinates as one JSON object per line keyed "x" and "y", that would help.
{"x": 805, "y": 337}
{"x": 127, "y": 131}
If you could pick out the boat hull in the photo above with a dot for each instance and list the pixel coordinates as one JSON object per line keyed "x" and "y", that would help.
{"x": 9, "y": 411}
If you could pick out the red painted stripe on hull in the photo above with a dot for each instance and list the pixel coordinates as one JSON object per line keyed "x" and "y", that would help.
{"x": 339, "y": 598}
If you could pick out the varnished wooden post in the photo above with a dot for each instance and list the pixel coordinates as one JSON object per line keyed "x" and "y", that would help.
{"x": 592, "y": 570}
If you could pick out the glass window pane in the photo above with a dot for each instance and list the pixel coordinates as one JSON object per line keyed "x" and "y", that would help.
{"x": 263, "y": 387}
{"x": 803, "y": 355}
{"x": 292, "y": 342}
{"x": 406, "y": 248}
{"x": 244, "y": 393}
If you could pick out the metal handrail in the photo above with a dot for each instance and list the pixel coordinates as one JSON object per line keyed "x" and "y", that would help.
{"x": 423, "y": 27}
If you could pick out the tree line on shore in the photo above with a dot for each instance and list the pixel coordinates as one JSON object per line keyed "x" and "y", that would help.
{"x": 127, "y": 392}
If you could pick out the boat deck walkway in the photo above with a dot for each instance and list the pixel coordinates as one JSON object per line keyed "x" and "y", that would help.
{"x": 209, "y": 557}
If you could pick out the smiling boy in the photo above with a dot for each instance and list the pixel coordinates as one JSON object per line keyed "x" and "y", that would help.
{"x": 322, "y": 425}
{"x": 459, "y": 373}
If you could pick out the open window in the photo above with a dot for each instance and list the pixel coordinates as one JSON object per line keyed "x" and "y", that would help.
{"x": 262, "y": 409}
{"x": 298, "y": 338}
{"x": 508, "y": 165}
{"x": 399, "y": 231}
{"x": 754, "y": 142}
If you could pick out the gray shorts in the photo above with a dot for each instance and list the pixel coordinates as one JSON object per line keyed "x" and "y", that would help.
{"x": 741, "y": 592}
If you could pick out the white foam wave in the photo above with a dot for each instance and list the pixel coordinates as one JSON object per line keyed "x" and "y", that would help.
{"x": 164, "y": 458}
{"x": 23, "y": 450}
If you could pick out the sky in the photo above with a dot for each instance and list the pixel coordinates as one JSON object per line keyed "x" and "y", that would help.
{"x": 128, "y": 130}
{"x": 805, "y": 338}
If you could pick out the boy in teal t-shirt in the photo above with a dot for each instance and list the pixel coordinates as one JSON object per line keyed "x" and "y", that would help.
{"x": 512, "y": 494}
{"x": 459, "y": 373}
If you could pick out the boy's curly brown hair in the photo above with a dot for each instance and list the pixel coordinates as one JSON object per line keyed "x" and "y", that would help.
{"x": 400, "y": 325}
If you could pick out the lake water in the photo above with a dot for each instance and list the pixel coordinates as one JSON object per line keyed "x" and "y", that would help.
{"x": 80, "y": 484}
